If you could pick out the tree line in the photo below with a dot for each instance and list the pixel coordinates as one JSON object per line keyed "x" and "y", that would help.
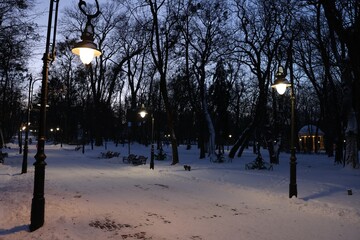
{"x": 203, "y": 69}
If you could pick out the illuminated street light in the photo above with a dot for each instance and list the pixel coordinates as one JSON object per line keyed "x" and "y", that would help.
{"x": 38, "y": 201}
{"x": 143, "y": 114}
{"x": 142, "y": 111}
{"x": 280, "y": 85}
{"x": 87, "y": 49}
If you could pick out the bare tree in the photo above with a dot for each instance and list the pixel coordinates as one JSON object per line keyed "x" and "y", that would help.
{"x": 163, "y": 38}
{"x": 205, "y": 35}
{"x": 343, "y": 17}
{"x": 17, "y": 33}
{"x": 262, "y": 29}
{"x": 104, "y": 77}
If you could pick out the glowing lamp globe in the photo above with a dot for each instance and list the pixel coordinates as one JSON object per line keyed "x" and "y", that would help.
{"x": 281, "y": 88}
{"x": 280, "y": 83}
{"x": 87, "y": 51}
{"x": 142, "y": 111}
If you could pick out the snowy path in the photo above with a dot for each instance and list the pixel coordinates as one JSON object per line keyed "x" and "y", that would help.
{"x": 92, "y": 198}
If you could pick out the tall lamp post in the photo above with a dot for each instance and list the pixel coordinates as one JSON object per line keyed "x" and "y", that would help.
{"x": 86, "y": 46}
{"x": 26, "y": 141}
{"x": 142, "y": 114}
{"x": 280, "y": 85}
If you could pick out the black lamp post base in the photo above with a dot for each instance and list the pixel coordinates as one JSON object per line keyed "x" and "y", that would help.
{"x": 292, "y": 190}
{"x": 152, "y": 157}
{"x": 37, "y": 213}
{"x": 293, "y": 185}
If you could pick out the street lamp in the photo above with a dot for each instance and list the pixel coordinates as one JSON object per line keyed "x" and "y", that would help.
{"x": 59, "y": 131}
{"x": 143, "y": 111}
{"x": 143, "y": 114}
{"x": 26, "y": 141}
{"x": 280, "y": 85}
{"x": 87, "y": 49}
{"x": 22, "y": 128}
{"x": 229, "y": 141}
{"x": 38, "y": 201}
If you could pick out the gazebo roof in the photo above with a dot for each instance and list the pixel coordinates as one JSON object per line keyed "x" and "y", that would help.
{"x": 310, "y": 130}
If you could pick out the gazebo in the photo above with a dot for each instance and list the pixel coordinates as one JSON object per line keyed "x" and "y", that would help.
{"x": 311, "y": 139}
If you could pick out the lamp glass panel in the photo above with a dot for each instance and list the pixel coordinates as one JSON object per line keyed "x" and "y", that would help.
{"x": 86, "y": 55}
{"x": 281, "y": 88}
{"x": 142, "y": 114}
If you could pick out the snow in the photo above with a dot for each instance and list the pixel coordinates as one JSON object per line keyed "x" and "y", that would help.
{"x": 88, "y": 197}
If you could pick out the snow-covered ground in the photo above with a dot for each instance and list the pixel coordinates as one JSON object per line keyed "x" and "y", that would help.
{"x": 88, "y": 197}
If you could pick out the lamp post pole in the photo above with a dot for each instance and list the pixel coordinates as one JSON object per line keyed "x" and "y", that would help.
{"x": 38, "y": 201}
{"x": 26, "y": 141}
{"x": 152, "y": 143}
{"x": 292, "y": 185}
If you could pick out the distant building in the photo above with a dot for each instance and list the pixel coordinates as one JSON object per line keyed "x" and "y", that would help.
{"x": 311, "y": 139}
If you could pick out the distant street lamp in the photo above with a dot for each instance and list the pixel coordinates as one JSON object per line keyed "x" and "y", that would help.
{"x": 21, "y": 129}
{"x": 229, "y": 141}
{"x": 26, "y": 141}
{"x": 143, "y": 111}
{"x": 280, "y": 85}
{"x": 143, "y": 114}
{"x": 38, "y": 201}
{"x": 58, "y": 130}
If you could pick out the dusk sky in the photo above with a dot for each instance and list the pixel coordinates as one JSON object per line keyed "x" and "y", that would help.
{"x": 42, "y": 10}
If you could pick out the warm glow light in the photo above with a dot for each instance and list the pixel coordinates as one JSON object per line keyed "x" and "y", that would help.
{"x": 281, "y": 88}
{"x": 280, "y": 83}
{"x": 87, "y": 51}
{"x": 142, "y": 114}
{"x": 142, "y": 111}
{"x": 86, "y": 55}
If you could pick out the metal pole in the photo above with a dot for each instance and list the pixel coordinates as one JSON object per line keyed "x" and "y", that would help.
{"x": 20, "y": 140}
{"x": 152, "y": 143}
{"x": 61, "y": 136}
{"x": 24, "y": 162}
{"x": 292, "y": 185}
{"x": 38, "y": 201}
{"x": 26, "y": 141}
{"x": 129, "y": 136}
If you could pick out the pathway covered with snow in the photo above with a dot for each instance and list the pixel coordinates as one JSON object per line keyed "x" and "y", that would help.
{"x": 88, "y": 197}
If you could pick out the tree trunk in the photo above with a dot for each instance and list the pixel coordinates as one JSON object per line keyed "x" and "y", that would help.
{"x": 240, "y": 143}
{"x": 351, "y": 152}
{"x": 211, "y": 130}
{"x": 170, "y": 120}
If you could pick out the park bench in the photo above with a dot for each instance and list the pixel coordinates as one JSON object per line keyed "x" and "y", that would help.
{"x": 141, "y": 160}
{"x": 129, "y": 159}
{"x": 110, "y": 154}
{"x": 135, "y": 160}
